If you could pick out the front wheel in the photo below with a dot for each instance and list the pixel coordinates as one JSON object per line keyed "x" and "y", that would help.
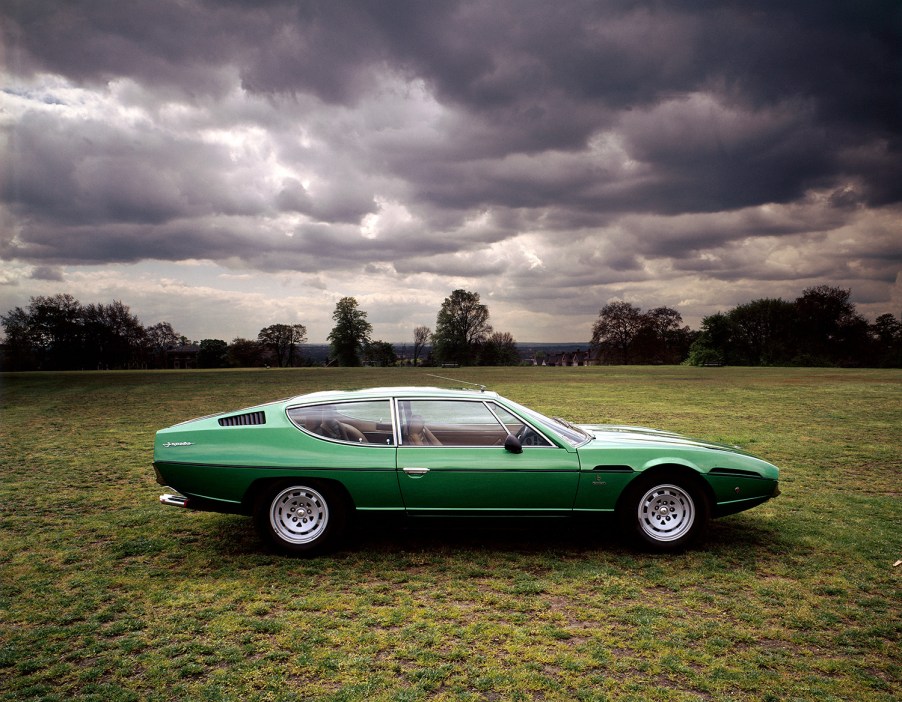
{"x": 665, "y": 513}
{"x": 300, "y": 517}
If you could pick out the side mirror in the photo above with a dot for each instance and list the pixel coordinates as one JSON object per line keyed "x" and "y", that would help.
{"x": 512, "y": 444}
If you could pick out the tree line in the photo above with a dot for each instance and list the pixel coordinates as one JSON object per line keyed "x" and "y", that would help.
{"x": 821, "y": 327}
{"x": 57, "y": 332}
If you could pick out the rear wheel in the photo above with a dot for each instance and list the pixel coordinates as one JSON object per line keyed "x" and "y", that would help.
{"x": 300, "y": 517}
{"x": 664, "y": 512}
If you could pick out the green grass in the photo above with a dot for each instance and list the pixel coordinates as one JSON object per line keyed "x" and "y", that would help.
{"x": 107, "y": 595}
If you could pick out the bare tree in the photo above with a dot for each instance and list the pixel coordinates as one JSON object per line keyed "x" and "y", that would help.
{"x": 420, "y": 339}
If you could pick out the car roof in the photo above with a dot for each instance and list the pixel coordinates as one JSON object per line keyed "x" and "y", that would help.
{"x": 410, "y": 391}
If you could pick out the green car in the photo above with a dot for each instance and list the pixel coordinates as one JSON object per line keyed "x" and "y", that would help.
{"x": 303, "y": 466}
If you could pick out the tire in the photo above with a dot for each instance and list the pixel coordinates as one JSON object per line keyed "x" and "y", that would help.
{"x": 300, "y": 517}
{"x": 664, "y": 513}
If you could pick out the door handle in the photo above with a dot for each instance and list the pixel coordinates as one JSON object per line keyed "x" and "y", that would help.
{"x": 413, "y": 470}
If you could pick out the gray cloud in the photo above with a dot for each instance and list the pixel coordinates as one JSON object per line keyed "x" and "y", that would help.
{"x": 47, "y": 273}
{"x": 541, "y": 148}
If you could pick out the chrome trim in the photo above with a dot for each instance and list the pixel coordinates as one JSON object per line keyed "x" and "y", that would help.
{"x": 174, "y": 500}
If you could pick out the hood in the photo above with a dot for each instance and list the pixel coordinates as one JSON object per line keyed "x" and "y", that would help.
{"x": 611, "y": 434}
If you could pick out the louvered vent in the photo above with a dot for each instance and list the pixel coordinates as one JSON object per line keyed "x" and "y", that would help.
{"x": 243, "y": 420}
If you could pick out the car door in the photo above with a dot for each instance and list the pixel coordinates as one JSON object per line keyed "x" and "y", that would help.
{"x": 452, "y": 459}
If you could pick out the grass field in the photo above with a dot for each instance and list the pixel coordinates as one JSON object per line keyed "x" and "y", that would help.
{"x": 107, "y": 595}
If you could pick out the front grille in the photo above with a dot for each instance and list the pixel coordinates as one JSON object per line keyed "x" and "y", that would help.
{"x": 243, "y": 420}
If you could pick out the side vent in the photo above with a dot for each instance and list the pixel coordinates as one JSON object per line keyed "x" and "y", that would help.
{"x": 734, "y": 472}
{"x": 243, "y": 420}
{"x": 613, "y": 469}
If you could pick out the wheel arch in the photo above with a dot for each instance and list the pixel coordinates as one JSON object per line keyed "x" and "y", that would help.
{"x": 262, "y": 484}
{"x": 675, "y": 469}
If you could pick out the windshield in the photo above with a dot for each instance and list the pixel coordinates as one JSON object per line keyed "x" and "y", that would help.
{"x": 571, "y": 434}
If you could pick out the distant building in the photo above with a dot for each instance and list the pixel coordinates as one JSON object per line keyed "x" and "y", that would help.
{"x": 567, "y": 358}
{"x": 182, "y": 356}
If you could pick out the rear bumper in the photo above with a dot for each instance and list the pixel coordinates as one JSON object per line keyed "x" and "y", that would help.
{"x": 203, "y": 504}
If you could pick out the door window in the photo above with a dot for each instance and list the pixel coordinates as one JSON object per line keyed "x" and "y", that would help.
{"x": 526, "y": 434}
{"x": 449, "y": 423}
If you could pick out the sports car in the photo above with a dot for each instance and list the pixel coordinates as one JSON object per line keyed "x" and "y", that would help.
{"x": 303, "y": 466}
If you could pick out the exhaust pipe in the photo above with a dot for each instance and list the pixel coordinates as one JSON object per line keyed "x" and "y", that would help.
{"x": 174, "y": 500}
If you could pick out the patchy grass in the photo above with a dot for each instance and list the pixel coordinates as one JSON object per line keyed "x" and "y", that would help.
{"x": 106, "y": 595}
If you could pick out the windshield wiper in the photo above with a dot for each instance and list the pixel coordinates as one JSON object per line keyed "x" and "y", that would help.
{"x": 567, "y": 424}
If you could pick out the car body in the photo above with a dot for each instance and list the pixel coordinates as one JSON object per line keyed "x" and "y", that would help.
{"x": 302, "y": 466}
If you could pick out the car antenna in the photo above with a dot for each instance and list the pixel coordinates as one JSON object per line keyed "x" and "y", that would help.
{"x": 455, "y": 380}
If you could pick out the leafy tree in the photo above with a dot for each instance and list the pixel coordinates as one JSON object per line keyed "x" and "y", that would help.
{"x": 245, "y": 353}
{"x": 160, "y": 338}
{"x": 828, "y": 327}
{"x": 713, "y": 344}
{"x": 887, "y": 329}
{"x": 212, "y": 353}
{"x": 615, "y": 331}
{"x": 56, "y": 331}
{"x": 282, "y": 340}
{"x": 763, "y": 331}
{"x": 350, "y": 333}
{"x": 19, "y": 345}
{"x": 500, "y": 349}
{"x": 887, "y": 334}
{"x": 461, "y": 328}
{"x": 114, "y": 337}
{"x": 760, "y": 332}
{"x": 420, "y": 339}
{"x": 660, "y": 338}
{"x": 819, "y": 328}
{"x": 380, "y": 353}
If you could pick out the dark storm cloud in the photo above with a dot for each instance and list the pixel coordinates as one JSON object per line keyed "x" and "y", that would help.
{"x": 91, "y": 172}
{"x": 561, "y": 120}
{"x": 518, "y": 60}
{"x": 47, "y": 273}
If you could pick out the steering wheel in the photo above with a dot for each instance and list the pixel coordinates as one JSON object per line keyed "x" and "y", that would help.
{"x": 528, "y": 437}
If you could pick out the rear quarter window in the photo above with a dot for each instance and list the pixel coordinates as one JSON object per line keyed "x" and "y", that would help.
{"x": 365, "y": 422}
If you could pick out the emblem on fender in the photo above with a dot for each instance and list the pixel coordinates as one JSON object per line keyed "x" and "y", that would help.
{"x": 170, "y": 444}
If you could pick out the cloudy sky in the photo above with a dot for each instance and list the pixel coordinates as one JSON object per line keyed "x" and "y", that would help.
{"x": 225, "y": 165}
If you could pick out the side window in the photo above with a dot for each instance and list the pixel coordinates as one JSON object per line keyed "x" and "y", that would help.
{"x": 366, "y": 422}
{"x": 527, "y": 435}
{"x": 449, "y": 423}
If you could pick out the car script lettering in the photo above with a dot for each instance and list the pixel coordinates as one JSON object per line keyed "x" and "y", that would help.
{"x": 170, "y": 444}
